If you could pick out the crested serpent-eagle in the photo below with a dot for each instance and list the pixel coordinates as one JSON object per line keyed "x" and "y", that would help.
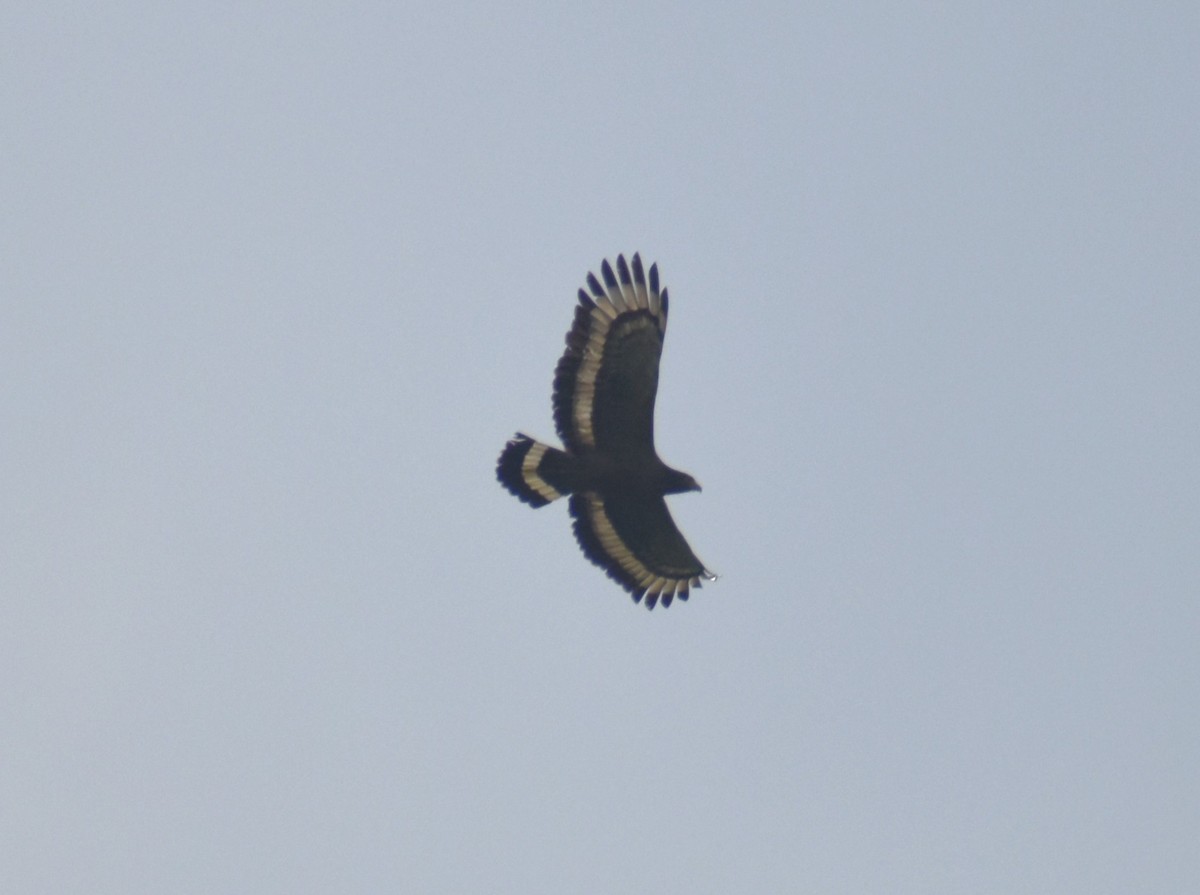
{"x": 604, "y": 389}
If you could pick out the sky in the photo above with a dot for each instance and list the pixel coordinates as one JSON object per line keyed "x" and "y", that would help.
{"x": 277, "y": 281}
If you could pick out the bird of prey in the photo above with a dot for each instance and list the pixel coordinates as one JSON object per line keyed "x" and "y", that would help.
{"x": 604, "y": 391}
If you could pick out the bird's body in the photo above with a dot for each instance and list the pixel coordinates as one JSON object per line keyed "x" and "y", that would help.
{"x": 604, "y": 392}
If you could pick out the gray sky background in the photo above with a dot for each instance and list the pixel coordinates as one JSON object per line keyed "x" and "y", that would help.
{"x": 280, "y": 279}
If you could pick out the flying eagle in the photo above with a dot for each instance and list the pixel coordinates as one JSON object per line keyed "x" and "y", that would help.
{"x": 604, "y": 389}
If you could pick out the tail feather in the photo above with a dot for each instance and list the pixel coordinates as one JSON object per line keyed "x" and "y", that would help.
{"x": 535, "y": 472}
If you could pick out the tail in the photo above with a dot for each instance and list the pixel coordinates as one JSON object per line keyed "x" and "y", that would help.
{"x": 536, "y": 473}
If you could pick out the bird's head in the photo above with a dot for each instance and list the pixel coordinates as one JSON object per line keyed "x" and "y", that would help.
{"x": 678, "y": 482}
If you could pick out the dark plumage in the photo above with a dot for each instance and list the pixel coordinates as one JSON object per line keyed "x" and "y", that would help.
{"x": 604, "y": 391}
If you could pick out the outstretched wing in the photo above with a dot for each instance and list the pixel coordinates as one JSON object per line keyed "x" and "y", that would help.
{"x": 634, "y": 539}
{"x": 606, "y": 381}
